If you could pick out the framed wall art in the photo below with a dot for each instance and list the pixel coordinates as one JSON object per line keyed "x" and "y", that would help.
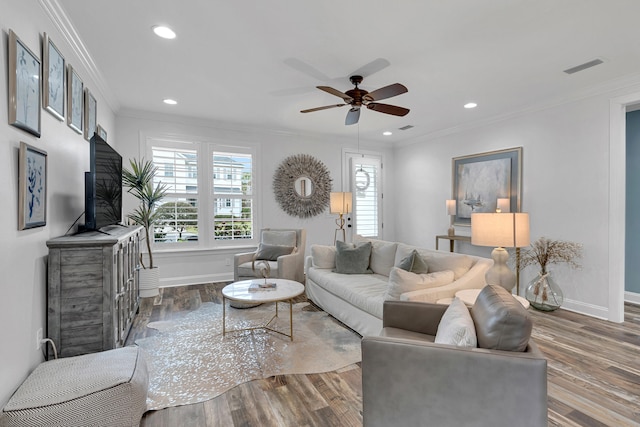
{"x": 24, "y": 86}
{"x": 101, "y": 132}
{"x": 53, "y": 79}
{"x": 480, "y": 179}
{"x": 32, "y": 210}
{"x": 90, "y": 114}
{"x": 75, "y": 92}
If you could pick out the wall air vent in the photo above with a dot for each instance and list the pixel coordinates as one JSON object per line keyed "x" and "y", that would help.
{"x": 584, "y": 66}
{"x": 407, "y": 127}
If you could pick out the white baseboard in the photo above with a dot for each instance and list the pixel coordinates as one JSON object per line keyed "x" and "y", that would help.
{"x": 632, "y": 297}
{"x": 195, "y": 280}
{"x": 588, "y": 309}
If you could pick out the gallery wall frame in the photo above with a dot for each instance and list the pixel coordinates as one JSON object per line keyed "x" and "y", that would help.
{"x": 75, "y": 93}
{"x": 24, "y": 86}
{"x": 478, "y": 180}
{"x": 101, "y": 132}
{"x": 53, "y": 81}
{"x": 32, "y": 182}
{"x": 90, "y": 114}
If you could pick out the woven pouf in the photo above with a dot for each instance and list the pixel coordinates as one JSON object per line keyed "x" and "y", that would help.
{"x": 100, "y": 389}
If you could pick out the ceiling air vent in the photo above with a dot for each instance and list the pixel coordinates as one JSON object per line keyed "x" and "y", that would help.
{"x": 584, "y": 66}
{"x": 407, "y": 127}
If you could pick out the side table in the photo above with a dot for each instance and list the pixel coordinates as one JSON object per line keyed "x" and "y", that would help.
{"x": 469, "y": 296}
{"x": 452, "y": 240}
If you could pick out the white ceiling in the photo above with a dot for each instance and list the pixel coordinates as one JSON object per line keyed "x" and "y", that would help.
{"x": 257, "y": 62}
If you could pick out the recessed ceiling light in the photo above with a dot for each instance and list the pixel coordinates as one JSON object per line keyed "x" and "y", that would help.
{"x": 164, "y": 32}
{"x": 170, "y": 101}
{"x": 470, "y": 105}
{"x": 387, "y": 133}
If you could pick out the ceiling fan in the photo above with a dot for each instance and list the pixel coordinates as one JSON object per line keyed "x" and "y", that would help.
{"x": 357, "y": 98}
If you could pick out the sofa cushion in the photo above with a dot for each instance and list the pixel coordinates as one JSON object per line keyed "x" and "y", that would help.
{"x": 279, "y": 237}
{"x": 401, "y": 281}
{"x": 459, "y": 264}
{"x": 456, "y": 326}
{"x": 501, "y": 322}
{"x": 353, "y": 259}
{"x": 414, "y": 263}
{"x": 272, "y": 252}
{"x": 323, "y": 256}
{"x": 383, "y": 254}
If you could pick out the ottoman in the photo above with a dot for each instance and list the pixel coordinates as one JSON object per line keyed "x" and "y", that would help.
{"x": 100, "y": 389}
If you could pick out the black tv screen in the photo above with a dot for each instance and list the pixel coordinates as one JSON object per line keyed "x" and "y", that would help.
{"x": 103, "y": 186}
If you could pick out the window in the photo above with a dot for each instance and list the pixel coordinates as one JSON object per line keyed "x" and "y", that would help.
{"x": 233, "y": 198}
{"x": 208, "y": 203}
{"x": 366, "y": 186}
{"x": 178, "y": 211}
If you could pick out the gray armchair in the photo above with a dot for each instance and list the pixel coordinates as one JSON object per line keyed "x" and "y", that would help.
{"x": 407, "y": 380}
{"x": 289, "y": 266}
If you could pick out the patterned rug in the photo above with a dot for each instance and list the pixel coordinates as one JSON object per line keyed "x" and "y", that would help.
{"x": 190, "y": 361}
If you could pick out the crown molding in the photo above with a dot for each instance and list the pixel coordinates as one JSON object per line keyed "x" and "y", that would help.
{"x": 59, "y": 18}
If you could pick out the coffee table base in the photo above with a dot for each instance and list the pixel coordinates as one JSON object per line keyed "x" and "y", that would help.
{"x": 265, "y": 326}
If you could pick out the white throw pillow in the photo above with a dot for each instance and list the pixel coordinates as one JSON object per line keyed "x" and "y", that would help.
{"x": 456, "y": 326}
{"x": 323, "y": 256}
{"x": 401, "y": 281}
{"x": 457, "y": 263}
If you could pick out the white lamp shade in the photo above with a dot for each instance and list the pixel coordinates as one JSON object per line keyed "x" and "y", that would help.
{"x": 507, "y": 230}
{"x": 341, "y": 203}
{"x": 451, "y": 207}
{"x": 503, "y": 205}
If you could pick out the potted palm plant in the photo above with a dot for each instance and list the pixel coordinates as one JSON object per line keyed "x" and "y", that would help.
{"x": 138, "y": 178}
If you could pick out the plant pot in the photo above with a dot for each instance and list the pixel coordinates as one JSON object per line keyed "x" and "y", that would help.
{"x": 149, "y": 281}
{"x": 544, "y": 293}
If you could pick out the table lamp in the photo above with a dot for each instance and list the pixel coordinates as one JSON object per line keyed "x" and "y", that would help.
{"x": 451, "y": 211}
{"x": 501, "y": 230}
{"x": 340, "y": 203}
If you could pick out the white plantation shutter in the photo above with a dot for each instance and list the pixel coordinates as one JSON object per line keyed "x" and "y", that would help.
{"x": 233, "y": 198}
{"x": 366, "y": 186}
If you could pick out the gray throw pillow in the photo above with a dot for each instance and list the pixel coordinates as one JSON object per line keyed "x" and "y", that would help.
{"x": 414, "y": 263}
{"x": 272, "y": 252}
{"x": 353, "y": 259}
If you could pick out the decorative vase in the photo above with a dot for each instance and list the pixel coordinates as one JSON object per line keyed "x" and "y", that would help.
{"x": 149, "y": 280}
{"x": 544, "y": 293}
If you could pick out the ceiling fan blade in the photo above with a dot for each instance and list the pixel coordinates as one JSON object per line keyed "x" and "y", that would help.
{"x": 371, "y": 68}
{"x": 310, "y": 110}
{"x": 388, "y": 109}
{"x": 307, "y": 69}
{"x": 336, "y": 92}
{"x": 386, "y": 92}
{"x": 352, "y": 116}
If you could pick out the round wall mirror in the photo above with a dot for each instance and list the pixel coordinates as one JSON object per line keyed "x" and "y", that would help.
{"x": 302, "y": 186}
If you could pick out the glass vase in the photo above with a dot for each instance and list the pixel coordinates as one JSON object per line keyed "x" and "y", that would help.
{"x": 544, "y": 293}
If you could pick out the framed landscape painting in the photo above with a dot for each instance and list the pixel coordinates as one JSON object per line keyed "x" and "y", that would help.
{"x": 90, "y": 114}
{"x": 24, "y": 86}
{"x": 479, "y": 180}
{"x": 53, "y": 83}
{"x": 32, "y": 209}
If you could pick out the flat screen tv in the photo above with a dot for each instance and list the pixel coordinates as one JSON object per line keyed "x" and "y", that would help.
{"x": 103, "y": 186}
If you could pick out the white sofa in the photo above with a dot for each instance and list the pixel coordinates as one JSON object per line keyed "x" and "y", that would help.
{"x": 357, "y": 299}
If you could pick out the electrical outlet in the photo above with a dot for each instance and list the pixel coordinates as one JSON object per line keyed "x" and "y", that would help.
{"x": 227, "y": 261}
{"x": 38, "y": 339}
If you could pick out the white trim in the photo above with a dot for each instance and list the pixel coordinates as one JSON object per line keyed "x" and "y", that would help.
{"x": 588, "y": 309}
{"x": 617, "y": 196}
{"x": 196, "y": 280}
{"x": 632, "y": 297}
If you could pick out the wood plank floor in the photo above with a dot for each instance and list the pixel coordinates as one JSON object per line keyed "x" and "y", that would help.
{"x": 593, "y": 375}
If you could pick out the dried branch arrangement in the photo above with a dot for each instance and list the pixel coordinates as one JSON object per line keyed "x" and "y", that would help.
{"x": 545, "y": 251}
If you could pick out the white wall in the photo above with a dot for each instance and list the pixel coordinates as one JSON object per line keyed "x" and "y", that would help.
{"x": 273, "y": 146}
{"x": 565, "y": 175}
{"x": 24, "y": 253}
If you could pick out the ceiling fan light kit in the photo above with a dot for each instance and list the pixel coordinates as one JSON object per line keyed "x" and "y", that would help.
{"x": 357, "y": 97}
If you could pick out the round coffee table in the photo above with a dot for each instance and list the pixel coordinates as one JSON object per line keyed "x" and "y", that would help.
{"x": 243, "y": 291}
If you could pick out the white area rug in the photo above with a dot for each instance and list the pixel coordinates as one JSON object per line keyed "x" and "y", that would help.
{"x": 190, "y": 361}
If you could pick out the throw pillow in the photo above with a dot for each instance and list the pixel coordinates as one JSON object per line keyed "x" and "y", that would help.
{"x": 353, "y": 259}
{"x": 502, "y": 323}
{"x": 457, "y": 263}
{"x": 414, "y": 263}
{"x": 272, "y": 252}
{"x": 383, "y": 254}
{"x": 323, "y": 256}
{"x": 401, "y": 281}
{"x": 456, "y": 326}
